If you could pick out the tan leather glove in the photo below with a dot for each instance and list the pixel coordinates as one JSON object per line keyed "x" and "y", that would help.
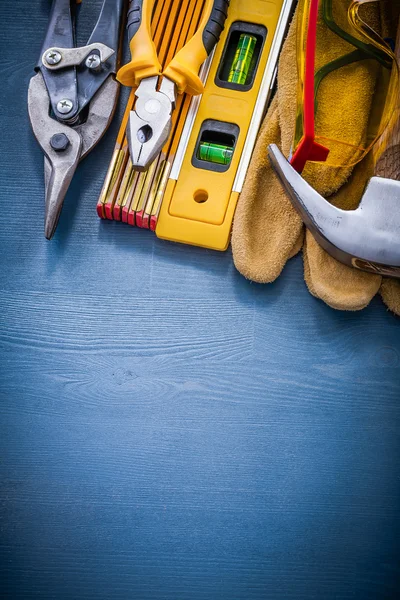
{"x": 267, "y": 230}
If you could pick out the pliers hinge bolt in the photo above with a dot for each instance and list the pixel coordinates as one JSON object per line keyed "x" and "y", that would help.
{"x": 65, "y": 106}
{"x": 59, "y": 142}
{"x": 53, "y": 57}
{"x": 93, "y": 62}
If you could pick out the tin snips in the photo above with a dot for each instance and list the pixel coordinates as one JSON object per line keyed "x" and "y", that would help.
{"x": 73, "y": 96}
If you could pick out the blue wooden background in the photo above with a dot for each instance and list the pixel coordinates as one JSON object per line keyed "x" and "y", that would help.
{"x": 170, "y": 431}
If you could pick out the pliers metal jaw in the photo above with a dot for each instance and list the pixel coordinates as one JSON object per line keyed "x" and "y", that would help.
{"x": 151, "y": 121}
{"x": 73, "y": 96}
{"x": 65, "y": 146}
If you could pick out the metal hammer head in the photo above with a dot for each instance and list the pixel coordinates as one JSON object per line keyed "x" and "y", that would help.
{"x": 367, "y": 238}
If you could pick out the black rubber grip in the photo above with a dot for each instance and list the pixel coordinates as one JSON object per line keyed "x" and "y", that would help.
{"x": 215, "y": 25}
{"x": 134, "y": 17}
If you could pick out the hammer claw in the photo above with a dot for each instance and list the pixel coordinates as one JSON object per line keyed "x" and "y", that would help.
{"x": 367, "y": 238}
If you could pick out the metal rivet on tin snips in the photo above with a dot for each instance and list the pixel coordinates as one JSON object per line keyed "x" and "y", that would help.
{"x": 73, "y": 96}
{"x": 150, "y": 121}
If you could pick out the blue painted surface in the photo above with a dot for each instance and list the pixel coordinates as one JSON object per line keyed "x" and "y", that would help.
{"x": 168, "y": 430}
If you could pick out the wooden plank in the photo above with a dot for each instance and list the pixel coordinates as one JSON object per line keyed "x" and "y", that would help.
{"x": 170, "y": 431}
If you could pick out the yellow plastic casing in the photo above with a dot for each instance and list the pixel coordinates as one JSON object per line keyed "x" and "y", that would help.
{"x": 208, "y": 223}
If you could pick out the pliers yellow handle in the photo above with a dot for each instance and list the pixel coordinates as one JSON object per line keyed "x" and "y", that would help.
{"x": 184, "y": 68}
{"x": 150, "y": 122}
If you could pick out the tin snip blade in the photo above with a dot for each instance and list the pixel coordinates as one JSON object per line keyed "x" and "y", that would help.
{"x": 150, "y": 122}
{"x": 73, "y": 96}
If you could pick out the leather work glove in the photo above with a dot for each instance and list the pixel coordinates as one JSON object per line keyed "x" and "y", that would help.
{"x": 267, "y": 231}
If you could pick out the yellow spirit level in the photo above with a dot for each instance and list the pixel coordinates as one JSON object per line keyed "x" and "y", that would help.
{"x": 201, "y": 195}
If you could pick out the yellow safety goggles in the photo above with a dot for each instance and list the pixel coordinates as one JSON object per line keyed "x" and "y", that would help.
{"x": 339, "y": 49}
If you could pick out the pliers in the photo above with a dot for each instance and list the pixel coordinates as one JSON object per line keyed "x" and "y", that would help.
{"x": 73, "y": 96}
{"x": 150, "y": 122}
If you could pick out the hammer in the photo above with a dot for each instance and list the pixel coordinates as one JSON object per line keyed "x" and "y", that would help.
{"x": 367, "y": 238}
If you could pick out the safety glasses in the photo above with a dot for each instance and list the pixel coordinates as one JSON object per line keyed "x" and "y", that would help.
{"x": 344, "y": 104}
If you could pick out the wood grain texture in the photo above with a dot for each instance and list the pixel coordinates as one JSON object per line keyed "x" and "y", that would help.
{"x": 170, "y": 431}
{"x": 388, "y": 164}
